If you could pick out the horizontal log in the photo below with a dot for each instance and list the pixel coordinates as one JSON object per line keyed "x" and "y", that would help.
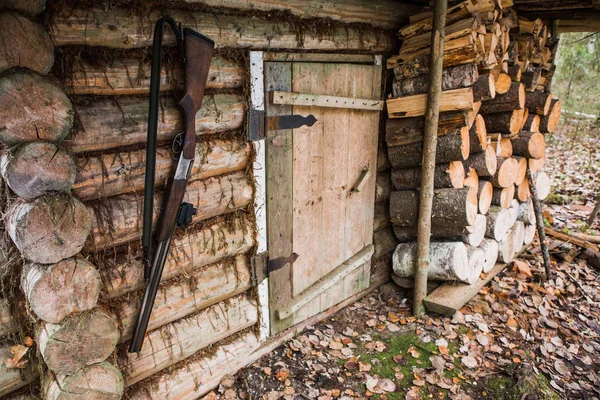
{"x": 129, "y": 76}
{"x": 529, "y": 145}
{"x": 471, "y": 234}
{"x": 476, "y": 257}
{"x": 504, "y": 122}
{"x": 124, "y": 273}
{"x": 548, "y": 123}
{"x": 484, "y": 164}
{"x": 182, "y": 297}
{"x": 108, "y": 124}
{"x": 485, "y": 193}
{"x": 490, "y": 249}
{"x": 121, "y": 28}
{"x": 503, "y": 196}
{"x": 95, "y": 382}
{"x": 484, "y": 88}
{"x": 12, "y": 379}
{"x": 177, "y": 341}
{"x": 414, "y": 106}
{"x": 384, "y": 242}
{"x": 199, "y": 374}
{"x": 381, "y": 218}
{"x": 499, "y": 221}
{"x": 118, "y": 220}
{"x": 478, "y": 135}
{"x": 456, "y": 52}
{"x": 455, "y": 77}
{"x": 453, "y": 30}
{"x": 449, "y": 261}
{"x": 116, "y": 173}
{"x": 447, "y": 175}
{"x": 383, "y": 187}
{"x": 399, "y": 131}
{"x": 532, "y": 123}
{"x": 507, "y": 171}
{"x": 513, "y": 99}
{"x": 538, "y": 102}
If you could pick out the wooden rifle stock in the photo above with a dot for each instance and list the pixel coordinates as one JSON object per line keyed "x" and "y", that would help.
{"x": 197, "y": 55}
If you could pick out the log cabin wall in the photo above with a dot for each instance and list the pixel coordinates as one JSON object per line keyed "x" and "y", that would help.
{"x": 73, "y": 93}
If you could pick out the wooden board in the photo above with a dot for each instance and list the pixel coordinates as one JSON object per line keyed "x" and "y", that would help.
{"x": 320, "y": 100}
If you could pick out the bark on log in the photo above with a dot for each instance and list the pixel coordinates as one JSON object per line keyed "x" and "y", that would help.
{"x": 383, "y": 187}
{"x": 451, "y": 207}
{"x": 117, "y": 173}
{"x": 529, "y": 145}
{"x": 514, "y": 99}
{"x": 490, "y": 248}
{"x": 129, "y": 76}
{"x": 514, "y": 71}
{"x": 181, "y": 339}
{"x": 485, "y": 164}
{"x": 399, "y": 131}
{"x": 484, "y": 88}
{"x": 102, "y": 381}
{"x": 31, "y": 7}
{"x": 451, "y": 31}
{"x": 506, "y": 248}
{"x": 485, "y": 193}
{"x": 25, "y": 44}
{"x": 507, "y": 172}
{"x": 478, "y": 135}
{"x": 182, "y": 297}
{"x": 107, "y": 124}
{"x": 526, "y": 213}
{"x": 538, "y": 102}
{"x": 471, "y": 235}
{"x": 33, "y": 108}
{"x": 543, "y": 184}
{"x": 414, "y": 106}
{"x": 507, "y": 123}
{"x": 447, "y": 175}
{"x": 12, "y": 379}
{"x": 532, "y": 123}
{"x": 118, "y": 220}
{"x": 57, "y": 290}
{"x": 384, "y": 242}
{"x": 36, "y": 168}
{"x": 503, "y": 196}
{"x": 459, "y": 76}
{"x": 449, "y": 261}
{"x": 80, "y": 340}
{"x": 381, "y": 218}
{"x": 198, "y": 248}
{"x": 476, "y": 257}
{"x": 498, "y": 223}
{"x": 50, "y": 228}
{"x": 456, "y": 52}
{"x": 119, "y": 28}
{"x": 450, "y": 147}
{"x": 548, "y": 123}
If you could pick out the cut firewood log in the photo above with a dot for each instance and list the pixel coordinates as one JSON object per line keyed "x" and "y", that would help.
{"x": 447, "y": 175}
{"x": 532, "y": 123}
{"x": 538, "y": 102}
{"x": 518, "y": 235}
{"x": 457, "y": 51}
{"x": 485, "y": 194}
{"x": 57, "y": 290}
{"x": 506, "y": 173}
{"x": 526, "y": 213}
{"x": 503, "y": 83}
{"x": 548, "y": 123}
{"x": 414, "y": 106}
{"x": 503, "y": 196}
{"x": 12, "y": 379}
{"x": 34, "y": 169}
{"x": 490, "y": 249}
{"x": 471, "y": 235}
{"x": 536, "y": 165}
{"x": 455, "y": 77}
{"x": 384, "y": 242}
{"x": 453, "y": 146}
{"x": 381, "y": 217}
{"x": 503, "y": 146}
{"x": 451, "y": 207}
{"x": 25, "y": 44}
{"x": 20, "y": 91}
{"x": 94, "y": 382}
{"x": 514, "y": 72}
{"x": 513, "y": 99}
{"x": 454, "y": 30}
{"x": 108, "y": 124}
{"x": 399, "y": 131}
{"x": 448, "y": 261}
{"x": 529, "y": 235}
{"x": 383, "y": 186}
{"x": 196, "y": 250}
{"x": 476, "y": 257}
{"x": 181, "y": 339}
{"x": 79, "y": 340}
{"x": 476, "y": 231}
{"x": 529, "y": 145}
{"x": 498, "y": 222}
{"x": 111, "y": 174}
{"x": 478, "y": 135}
{"x": 472, "y": 179}
{"x": 522, "y": 170}
{"x": 524, "y": 118}
{"x": 484, "y": 88}
{"x": 485, "y": 164}
{"x": 543, "y": 184}
{"x": 506, "y": 248}
{"x": 504, "y": 122}
{"x": 118, "y": 219}
{"x": 531, "y": 77}
{"x": 50, "y": 228}
{"x": 523, "y": 191}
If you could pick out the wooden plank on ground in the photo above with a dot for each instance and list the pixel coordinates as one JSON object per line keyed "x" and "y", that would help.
{"x": 320, "y": 100}
{"x": 451, "y": 297}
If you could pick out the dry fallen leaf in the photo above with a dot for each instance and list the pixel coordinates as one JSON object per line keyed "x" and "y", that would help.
{"x": 414, "y": 352}
{"x": 469, "y": 361}
{"x": 523, "y": 267}
{"x": 17, "y": 361}
{"x": 282, "y": 375}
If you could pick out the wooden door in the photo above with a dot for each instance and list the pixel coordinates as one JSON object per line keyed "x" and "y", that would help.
{"x": 313, "y": 209}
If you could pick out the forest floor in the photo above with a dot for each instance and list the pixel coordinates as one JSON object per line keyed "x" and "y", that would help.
{"x": 520, "y": 338}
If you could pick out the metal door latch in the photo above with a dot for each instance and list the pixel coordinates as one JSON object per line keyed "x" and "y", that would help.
{"x": 258, "y": 125}
{"x": 262, "y": 266}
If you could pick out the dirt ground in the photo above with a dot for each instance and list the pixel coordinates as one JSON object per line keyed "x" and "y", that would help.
{"x": 520, "y": 338}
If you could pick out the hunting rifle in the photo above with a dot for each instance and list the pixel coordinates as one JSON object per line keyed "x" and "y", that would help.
{"x": 196, "y": 51}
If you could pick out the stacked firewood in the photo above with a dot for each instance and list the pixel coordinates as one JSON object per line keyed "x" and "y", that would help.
{"x": 494, "y": 112}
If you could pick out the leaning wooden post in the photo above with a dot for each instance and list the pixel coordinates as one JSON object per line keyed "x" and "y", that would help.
{"x": 434, "y": 91}
{"x": 539, "y": 220}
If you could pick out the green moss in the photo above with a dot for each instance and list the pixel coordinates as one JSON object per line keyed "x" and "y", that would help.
{"x": 502, "y": 387}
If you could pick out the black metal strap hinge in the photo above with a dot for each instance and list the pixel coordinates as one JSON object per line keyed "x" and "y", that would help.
{"x": 258, "y": 125}
{"x": 262, "y": 265}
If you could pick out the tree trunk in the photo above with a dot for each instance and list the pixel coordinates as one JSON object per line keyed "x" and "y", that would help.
{"x": 503, "y": 196}
{"x": 102, "y": 381}
{"x": 498, "y": 223}
{"x": 513, "y": 99}
{"x": 548, "y": 123}
{"x": 447, "y": 175}
{"x": 538, "y": 102}
{"x": 507, "y": 171}
{"x": 399, "y": 131}
{"x": 449, "y": 261}
{"x": 24, "y": 44}
{"x": 485, "y": 194}
{"x": 41, "y": 98}
{"x": 476, "y": 257}
{"x": 415, "y": 106}
{"x": 116, "y": 173}
{"x": 484, "y": 88}
{"x": 485, "y": 164}
{"x": 532, "y": 124}
{"x": 507, "y": 123}
{"x": 451, "y": 207}
{"x": 490, "y": 248}
{"x": 529, "y": 145}
{"x": 450, "y": 147}
{"x": 118, "y": 220}
{"x": 455, "y": 77}
{"x": 79, "y": 340}
{"x": 57, "y": 290}
{"x": 478, "y": 135}
{"x": 48, "y": 229}
{"x": 36, "y": 168}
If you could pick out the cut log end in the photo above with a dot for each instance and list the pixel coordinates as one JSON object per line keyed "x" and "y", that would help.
{"x": 503, "y": 196}
{"x": 25, "y": 44}
{"x": 486, "y": 190}
{"x": 507, "y": 172}
{"x": 490, "y": 248}
{"x": 548, "y": 123}
{"x": 102, "y": 381}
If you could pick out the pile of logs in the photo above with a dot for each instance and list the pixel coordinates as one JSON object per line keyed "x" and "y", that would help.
{"x": 495, "y": 110}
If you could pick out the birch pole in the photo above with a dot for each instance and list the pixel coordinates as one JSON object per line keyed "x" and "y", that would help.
{"x": 434, "y": 91}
